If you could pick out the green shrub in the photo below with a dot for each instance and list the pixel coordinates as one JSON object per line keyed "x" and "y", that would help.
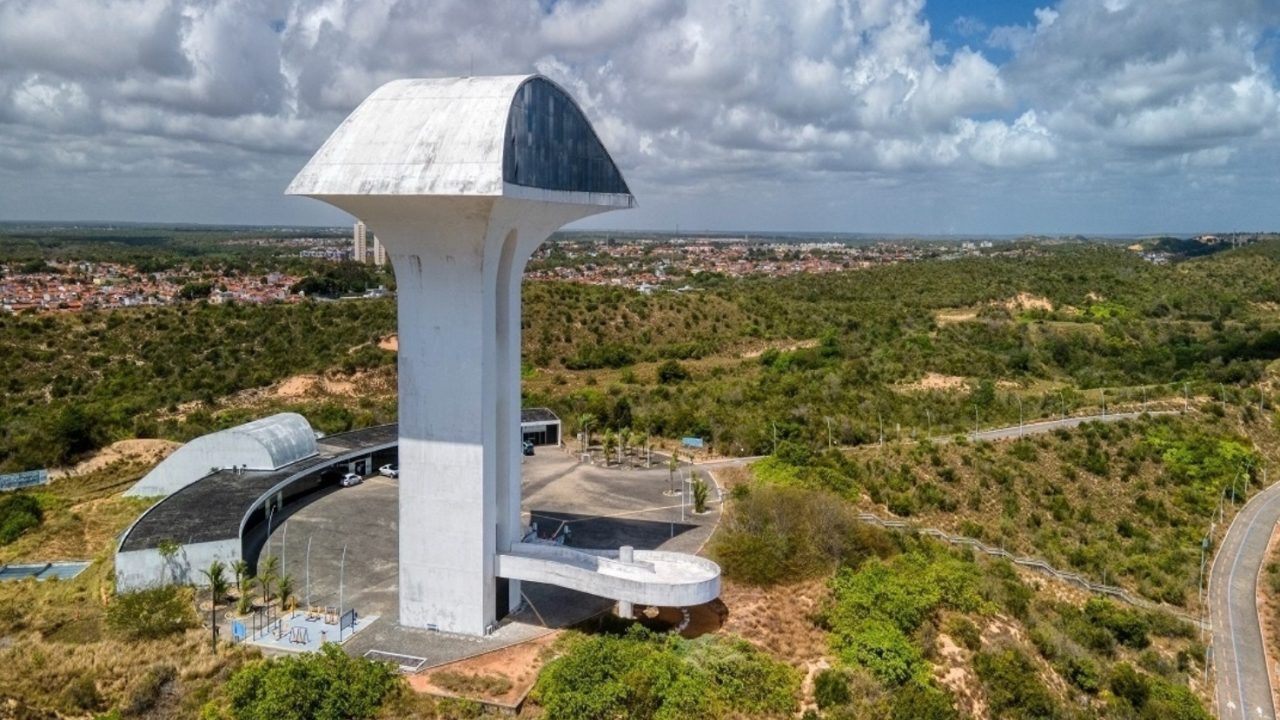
{"x": 642, "y": 675}
{"x": 964, "y": 632}
{"x": 1013, "y": 686}
{"x": 922, "y": 701}
{"x": 151, "y": 613}
{"x": 881, "y": 647}
{"x": 783, "y": 534}
{"x": 325, "y": 685}
{"x": 1127, "y": 626}
{"x": 831, "y": 688}
{"x": 19, "y": 513}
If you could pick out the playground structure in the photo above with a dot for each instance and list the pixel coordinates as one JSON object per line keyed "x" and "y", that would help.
{"x": 462, "y": 179}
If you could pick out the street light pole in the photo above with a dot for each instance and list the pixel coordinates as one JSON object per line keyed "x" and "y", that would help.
{"x": 308, "y": 572}
{"x": 342, "y": 571}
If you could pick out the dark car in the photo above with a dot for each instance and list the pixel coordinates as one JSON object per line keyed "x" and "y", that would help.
{"x": 528, "y": 448}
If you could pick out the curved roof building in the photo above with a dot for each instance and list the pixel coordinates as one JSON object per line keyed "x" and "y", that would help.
{"x": 266, "y": 444}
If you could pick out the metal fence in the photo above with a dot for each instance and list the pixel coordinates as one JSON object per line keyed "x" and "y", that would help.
{"x": 1032, "y": 563}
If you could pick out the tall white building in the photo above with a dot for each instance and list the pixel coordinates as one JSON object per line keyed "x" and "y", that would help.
{"x": 379, "y": 252}
{"x": 360, "y": 245}
{"x": 464, "y": 178}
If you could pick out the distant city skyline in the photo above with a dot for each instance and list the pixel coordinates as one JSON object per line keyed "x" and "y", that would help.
{"x": 912, "y": 117}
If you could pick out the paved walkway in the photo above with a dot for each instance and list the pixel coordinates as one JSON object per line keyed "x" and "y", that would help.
{"x": 1243, "y": 688}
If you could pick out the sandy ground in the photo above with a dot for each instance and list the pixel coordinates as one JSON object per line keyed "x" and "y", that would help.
{"x": 390, "y": 343}
{"x": 936, "y": 381}
{"x": 519, "y": 664}
{"x": 955, "y": 315}
{"x": 1027, "y": 301}
{"x": 954, "y": 671}
{"x": 757, "y": 352}
{"x": 778, "y": 619}
{"x": 146, "y": 451}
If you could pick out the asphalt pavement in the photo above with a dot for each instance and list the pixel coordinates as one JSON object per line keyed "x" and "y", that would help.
{"x": 1243, "y": 685}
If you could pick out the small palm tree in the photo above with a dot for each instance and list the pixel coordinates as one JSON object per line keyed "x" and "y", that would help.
{"x": 700, "y": 491}
{"x": 217, "y": 581}
{"x": 610, "y": 442}
{"x": 585, "y": 421}
{"x": 672, "y": 465}
{"x": 240, "y": 569}
{"x": 267, "y": 575}
{"x": 285, "y": 589}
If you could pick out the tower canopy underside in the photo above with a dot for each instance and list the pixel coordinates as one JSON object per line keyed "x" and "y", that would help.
{"x": 477, "y": 136}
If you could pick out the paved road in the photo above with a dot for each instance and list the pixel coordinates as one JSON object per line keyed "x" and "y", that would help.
{"x": 1243, "y": 688}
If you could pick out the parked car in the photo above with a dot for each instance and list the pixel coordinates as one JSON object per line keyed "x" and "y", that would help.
{"x": 350, "y": 479}
{"x": 528, "y": 448}
{"x": 389, "y": 470}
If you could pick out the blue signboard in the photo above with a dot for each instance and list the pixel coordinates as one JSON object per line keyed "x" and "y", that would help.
{"x": 691, "y": 442}
{"x": 24, "y": 479}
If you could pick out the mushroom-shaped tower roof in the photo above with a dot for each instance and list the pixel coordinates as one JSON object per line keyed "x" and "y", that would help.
{"x": 510, "y": 136}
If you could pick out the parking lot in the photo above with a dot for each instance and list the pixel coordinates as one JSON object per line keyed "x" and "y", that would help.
{"x": 601, "y": 507}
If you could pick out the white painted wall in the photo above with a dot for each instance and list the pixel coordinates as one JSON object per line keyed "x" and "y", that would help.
{"x": 140, "y": 569}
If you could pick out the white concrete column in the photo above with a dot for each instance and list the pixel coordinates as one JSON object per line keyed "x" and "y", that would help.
{"x": 458, "y": 265}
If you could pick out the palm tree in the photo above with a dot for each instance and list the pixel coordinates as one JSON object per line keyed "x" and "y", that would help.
{"x": 217, "y": 581}
{"x": 285, "y": 587}
{"x": 700, "y": 491}
{"x": 585, "y": 421}
{"x": 267, "y": 574}
{"x": 240, "y": 569}
{"x": 672, "y": 465}
{"x": 610, "y": 442}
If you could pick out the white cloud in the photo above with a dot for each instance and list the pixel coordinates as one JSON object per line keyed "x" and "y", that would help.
{"x": 686, "y": 93}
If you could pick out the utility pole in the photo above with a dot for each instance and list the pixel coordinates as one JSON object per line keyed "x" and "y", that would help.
{"x": 1104, "y": 402}
{"x": 880, "y": 421}
{"x": 929, "y": 419}
{"x": 1020, "y": 429}
{"x": 1186, "y": 398}
{"x": 830, "y": 444}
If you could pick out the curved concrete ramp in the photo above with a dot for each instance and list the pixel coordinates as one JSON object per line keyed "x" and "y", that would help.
{"x": 653, "y": 577}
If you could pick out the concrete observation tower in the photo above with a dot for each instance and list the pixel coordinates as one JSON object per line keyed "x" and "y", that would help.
{"x": 461, "y": 179}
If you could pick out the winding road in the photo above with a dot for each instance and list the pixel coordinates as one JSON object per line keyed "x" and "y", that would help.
{"x": 1243, "y": 684}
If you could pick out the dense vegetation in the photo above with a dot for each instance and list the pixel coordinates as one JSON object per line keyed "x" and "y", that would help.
{"x": 918, "y": 631}
{"x": 73, "y": 383}
{"x": 645, "y": 676}
{"x": 1090, "y": 319}
{"x": 326, "y": 685}
{"x": 755, "y": 360}
{"x": 1127, "y": 502}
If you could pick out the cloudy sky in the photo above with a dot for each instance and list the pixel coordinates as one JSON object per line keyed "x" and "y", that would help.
{"x": 916, "y": 116}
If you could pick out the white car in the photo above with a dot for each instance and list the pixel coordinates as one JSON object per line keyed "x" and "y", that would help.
{"x": 389, "y": 470}
{"x": 350, "y": 479}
